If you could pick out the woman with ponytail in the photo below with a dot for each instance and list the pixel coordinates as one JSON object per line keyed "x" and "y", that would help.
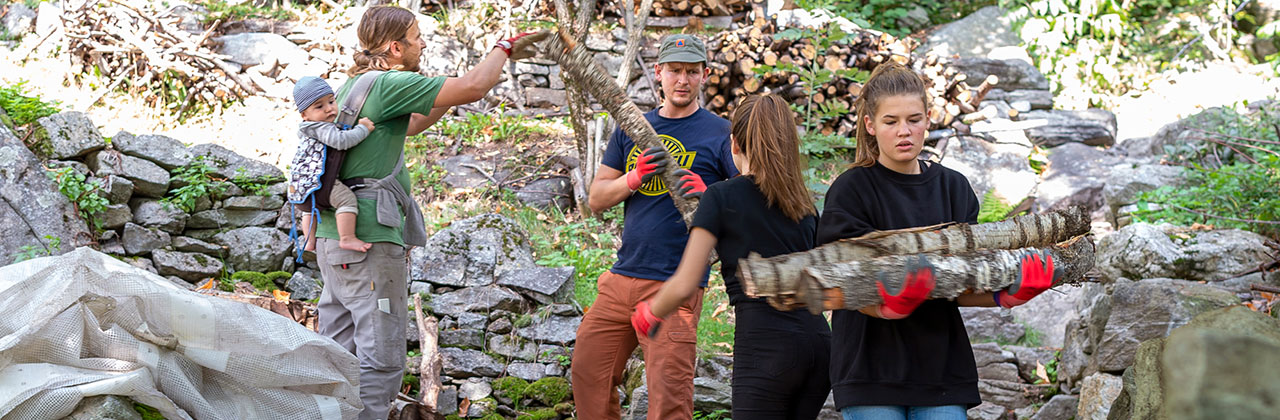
{"x": 909, "y": 357}
{"x": 780, "y": 358}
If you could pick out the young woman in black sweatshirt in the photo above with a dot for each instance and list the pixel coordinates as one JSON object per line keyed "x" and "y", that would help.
{"x": 908, "y": 358}
{"x": 780, "y": 360}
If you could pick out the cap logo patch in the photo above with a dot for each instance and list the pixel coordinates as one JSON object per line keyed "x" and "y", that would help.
{"x": 680, "y": 43}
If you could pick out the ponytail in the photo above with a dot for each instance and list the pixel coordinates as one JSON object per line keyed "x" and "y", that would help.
{"x": 764, "y": 129}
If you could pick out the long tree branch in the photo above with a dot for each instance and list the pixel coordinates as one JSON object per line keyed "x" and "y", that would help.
{"x": 576, "y": 61}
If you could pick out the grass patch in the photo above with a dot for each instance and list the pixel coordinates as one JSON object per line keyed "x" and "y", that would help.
{"x": 24, "y": 108}
{"x": 221, "y": 10}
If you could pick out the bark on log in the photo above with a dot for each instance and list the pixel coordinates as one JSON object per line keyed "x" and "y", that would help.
{"x": 852, "y": 285}
{"x": 781, "y": 275}
{"x": 432, "y": 361}
{"x": 576, "y": 61}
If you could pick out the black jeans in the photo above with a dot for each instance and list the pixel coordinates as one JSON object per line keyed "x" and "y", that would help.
{"x": 780, "y": 363}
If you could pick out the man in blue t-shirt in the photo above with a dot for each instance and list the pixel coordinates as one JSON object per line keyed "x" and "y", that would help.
{"x": 653, "y": 239}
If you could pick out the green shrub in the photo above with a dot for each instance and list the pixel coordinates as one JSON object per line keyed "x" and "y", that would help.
{"x": 993, "y": 208}
{"x": 27, "y": 252}
{"x": 83, "y": 195}
{"x": 1233, "y": 168}
{"x": 221, "y": 10}
{"x": 24, "y": 109}
{"x": 198, "y": 175}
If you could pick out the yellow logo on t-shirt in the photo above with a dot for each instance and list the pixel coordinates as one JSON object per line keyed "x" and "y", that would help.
{"x": 656, "y": 186}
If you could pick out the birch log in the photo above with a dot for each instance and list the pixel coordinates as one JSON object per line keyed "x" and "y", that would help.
{"x": 575, "y": 60}
{"x": 780, "y": 275}
{"x": 852, "y": 285}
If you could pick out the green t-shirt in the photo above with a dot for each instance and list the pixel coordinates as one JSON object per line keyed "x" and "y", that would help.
{"x": 394, "y": 96}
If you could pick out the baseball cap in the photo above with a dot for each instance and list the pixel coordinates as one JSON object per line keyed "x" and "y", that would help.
{"x": 682, "y": 48}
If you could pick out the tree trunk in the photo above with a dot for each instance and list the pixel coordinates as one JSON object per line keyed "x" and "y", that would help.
{"x": 781, "y": 275}
{"x": 852, "y": 285}
{"x": 577, "y": 64}
{"x": 575, "y": 95}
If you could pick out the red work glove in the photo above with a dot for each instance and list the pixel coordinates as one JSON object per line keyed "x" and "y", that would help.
{"x": 522, "y": 46}
{"x": 643, "y": 320}
{"x": 1037, "y": 276}
{"x": 648, "y": 164}
{"x": 915, "y": 290}
{"x": 690, "y": 184}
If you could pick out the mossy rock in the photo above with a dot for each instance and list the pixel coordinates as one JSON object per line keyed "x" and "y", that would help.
{"x": 265, "y": 282}
{"x": 511, "y": 387}
{"x": 541, "y": 414}
{"x": 550, "y": 391}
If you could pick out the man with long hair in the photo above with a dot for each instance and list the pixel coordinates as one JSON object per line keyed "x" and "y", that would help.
{"x": 363, "y": 303}
{"x": 653, "y": 238}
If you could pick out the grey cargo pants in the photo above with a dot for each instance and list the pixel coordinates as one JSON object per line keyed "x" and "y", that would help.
{"x": 364, "y": 307}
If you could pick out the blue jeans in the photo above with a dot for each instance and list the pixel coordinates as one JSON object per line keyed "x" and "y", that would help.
{"x": 899, "y": 412}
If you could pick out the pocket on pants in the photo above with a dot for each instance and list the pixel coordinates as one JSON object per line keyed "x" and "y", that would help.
{"x": 389, "y": 348}
{"x": 334, "y": 255}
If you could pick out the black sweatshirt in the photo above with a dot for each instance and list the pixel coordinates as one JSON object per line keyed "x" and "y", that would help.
{"x": 923, "y": 359}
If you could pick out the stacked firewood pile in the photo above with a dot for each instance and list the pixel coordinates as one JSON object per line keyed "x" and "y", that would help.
{"x": 735, "y": 54}
{"x": 145, "y": 51}
{"x": 667, "y": 8}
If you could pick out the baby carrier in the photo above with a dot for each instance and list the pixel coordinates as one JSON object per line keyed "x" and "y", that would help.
{"x": 315, "y": 166}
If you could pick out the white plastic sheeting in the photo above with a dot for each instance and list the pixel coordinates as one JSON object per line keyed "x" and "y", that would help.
{"x": 84, "y": 324}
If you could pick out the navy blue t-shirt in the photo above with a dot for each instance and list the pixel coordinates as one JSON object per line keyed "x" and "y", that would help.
{"x": 653, "y": 233}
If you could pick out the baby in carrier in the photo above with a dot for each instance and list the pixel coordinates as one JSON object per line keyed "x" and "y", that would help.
{"x": 315, "y": 100}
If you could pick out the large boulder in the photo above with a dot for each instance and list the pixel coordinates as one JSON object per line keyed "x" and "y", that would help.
{"x": 461, "y": 171}
{"x": 114, "y": 216}
{"x": 476, "y": 299}
{"x": 253, "y": 48}
{"x": 711, "y": 395}
{"x": 307, "y": 287}
{"x": 149, "y": 179}
{"x": 1097, "y": 393}
{"x": 1014, "y": 74}
{"x": 460, "y": 363}
{"x": 185, "y": 244}
{"x": 1093, "y": 127}
{"x": 999, "y": 168}
{"x": 228, "y": 164}
{"x": 227, "y": 218}
{"x": 71, "y": 134}
{"x": 1047, "y": 315}
{"x": 1143, "y": 250}
{"x": 140, "y": 240}
{"x": 1127, "y": 181}
{"x": 158, "y": 214}
{"x": 554, "y": 329}
{"x": 255, "y": 248}
{"x": 1060, "y": 407}
{"x": 1136, "y": 312}
{"x": 991, "y": 324}
{"x": 472, "y": 252}
{"x": 1207, "y": 369}
{"x": 19, "y": 19}
{"x": 189, "y": 266}
{"x": 32, "y": 211}
{"x": 116, "y": 189}
{"x": 1074, "y": 178}
{"x": 543, "y": 284}
{"x": 975, "y": 35}
{"x": 167, "y": 152}
{"x": 547, "y": 192}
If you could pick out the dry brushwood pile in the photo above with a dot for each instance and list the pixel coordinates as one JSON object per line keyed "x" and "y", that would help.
{"x": 966, "y": 258}
{"x": 143, "y": 51}
{"x": 737, "y": 53}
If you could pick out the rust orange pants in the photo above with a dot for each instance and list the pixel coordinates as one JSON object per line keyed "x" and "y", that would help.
{"x": 606, "y": 340}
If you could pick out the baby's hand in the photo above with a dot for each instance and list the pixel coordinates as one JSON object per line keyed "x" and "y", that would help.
{"x": 367, "y": 123}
